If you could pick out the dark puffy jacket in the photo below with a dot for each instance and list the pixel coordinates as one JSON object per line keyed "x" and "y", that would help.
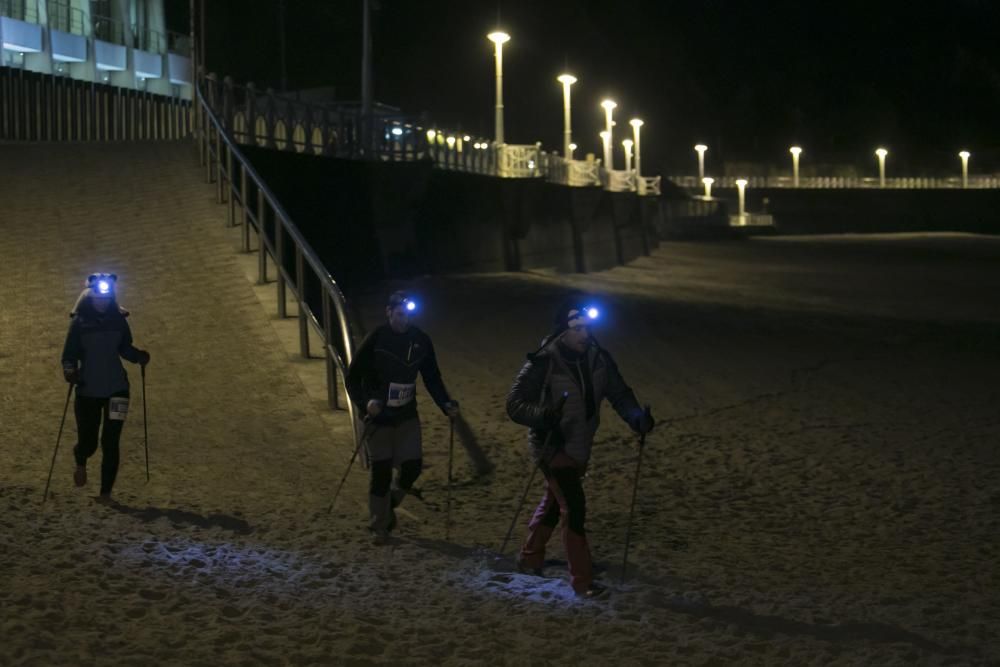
{"x": 94, "y": 343}
{"x": 385, "y": 369}
{"x": 588, "y": 379}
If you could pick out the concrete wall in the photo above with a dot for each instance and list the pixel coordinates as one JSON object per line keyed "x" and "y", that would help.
{"x": 870, "y": 210}
{"x": 374, "y": 220}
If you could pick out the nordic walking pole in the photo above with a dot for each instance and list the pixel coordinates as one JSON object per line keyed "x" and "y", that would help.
{"x": 145, "y": 428}
{"x": 58, "y": 438}
{"x": 531, "y": 479}
{"x": 361, "y": 443}
{"x": 635, "y": 489}
{"x": 451, "y": 450}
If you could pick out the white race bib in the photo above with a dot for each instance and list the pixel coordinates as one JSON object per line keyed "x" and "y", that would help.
{"x": 117, "y": 408}
{"x": 400, "y": 394}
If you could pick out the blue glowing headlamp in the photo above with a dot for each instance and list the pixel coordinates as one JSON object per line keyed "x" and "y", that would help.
{"x": 584, "y": 316}
{"x": 102, "y": 284}
{"x": 401, "y": 300}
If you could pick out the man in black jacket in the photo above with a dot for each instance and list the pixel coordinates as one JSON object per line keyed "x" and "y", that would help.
{"x": 568, "y": 363}
{"x": 98, "y": 335}
{"x": 382, "y": 383}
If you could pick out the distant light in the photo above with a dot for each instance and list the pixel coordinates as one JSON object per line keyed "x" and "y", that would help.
{"x": 701, "y": 148}
{"x": 430, "y": 135}
{"x": 795, "y": 150}
{"x": 605, "y": 135}
{"x": 476, "y": 145}
{"x": 593, "y": 313}
{"x": 964, "y": 155}
{"x": 608, "y": 105}
{"x": 881, "y": 152}
{"x": 741, "y": 182}
{"x": 635, "y": 122}
{"x": 566, "y": 79}
{"x": 708, "y": 180}
{"x": 531, "y": 164}
{"x": 466, "y": 138}
{"x": 498, "y": 37}
{"x": 398, "y": 131}
{"x": 627, "y": 143}
{"x": 451, "y": 141}
{"x": 572, "y": 147}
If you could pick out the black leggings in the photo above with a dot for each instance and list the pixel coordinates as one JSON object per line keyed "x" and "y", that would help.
{"x": 381, "y": 477}
{"x": 91, "y": 419}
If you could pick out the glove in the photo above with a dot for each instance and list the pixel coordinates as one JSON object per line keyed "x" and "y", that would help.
{"x": 451, "y": 408}
{"x": 143, "y": 357}
{"x": 374, "y": 408}
{"x": 72, "y": 375}
{"x": 643, "y": 422}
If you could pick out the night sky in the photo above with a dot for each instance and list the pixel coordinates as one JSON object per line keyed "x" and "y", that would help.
{"x": 747, "y": 78}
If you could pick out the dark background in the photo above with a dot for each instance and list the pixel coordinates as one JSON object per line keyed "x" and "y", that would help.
{"x": 747, "y": 78}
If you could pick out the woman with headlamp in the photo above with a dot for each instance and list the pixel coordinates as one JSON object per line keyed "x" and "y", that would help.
{"x": 99, "y": 337}
{"x": 568, "y": 364}
{"x": 382, "y": 384}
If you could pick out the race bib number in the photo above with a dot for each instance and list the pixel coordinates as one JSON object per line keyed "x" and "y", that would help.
{"x": 400, "y": 394}
{"x": 117, "y": 408}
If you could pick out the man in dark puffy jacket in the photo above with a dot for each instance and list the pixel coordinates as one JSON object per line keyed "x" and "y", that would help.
{"x": 98, "y": 335}
{"x": 382, "y": 383}
{"x": 569, "y": 362}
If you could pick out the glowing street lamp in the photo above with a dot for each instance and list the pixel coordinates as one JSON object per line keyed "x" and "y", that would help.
{"x": 881, "y": 153}
{"x": 572, "y": 147}
{"x": 639, "y": 183}
{"x": 796, "y": 152}
{"x": 707, "y": 182}
{"x": 499, "y": 39}
{"x": 700, "y": 149}
{"x": 627, "y": 143}
{"x": 566, "y": 80}
{"x": 741, "y": 184}
{"x": 965, "y": 168}
{"x": 605, "y": 141}
{"x": 609, "y": 106}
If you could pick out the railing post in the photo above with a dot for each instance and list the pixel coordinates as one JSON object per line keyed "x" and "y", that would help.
{"x": 261, "y": 253}
{"x": 218, "y": 165}
{"x": 279, "y": 263}
{"x": 251, "y": 114}
{"x": 300, "y": 289}
{"x": 230, "y": 208}
{"x": 244, "y": 211}
{"x": 331, "y": 372}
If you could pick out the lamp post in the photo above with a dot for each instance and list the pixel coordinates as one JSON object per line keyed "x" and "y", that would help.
{"x": 569, "y": 155}
{"x": 881, "y": 153}
{"x": 796, "y": 152}
{"x": 605, "y": 140}
{"x": 741, "y": 184}
{"x": 609, "y": 106}
{"x": 566, "y": 80}
{"x": 499, "y": 39}
{"x": 700, "y": 149}
{"x": 639, "y": 183}
{"x": 707, "y": 182}
{"x": 965, "y": 168}
{"x": 627, "y": 143}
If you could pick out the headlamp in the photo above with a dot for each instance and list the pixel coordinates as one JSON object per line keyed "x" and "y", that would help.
{"x": 102, "y": 284}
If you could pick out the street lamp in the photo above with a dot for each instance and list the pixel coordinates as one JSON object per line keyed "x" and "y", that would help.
{"x": 499, "y": 39}
{"x": 707, "y": 181}
{"x": 639, "y": 183}
{"x": 881, "y": 153}
{"x": 700, "y": 149}
{"x": 741, "y": 184}
{"x": 627, "y": 143}
{"x": 965, "y": 168}
{"x": 796, "y": 152}
{"x": 609, "y": 106}
{"x": 566, "y": 80}
{"x": 572, "y": 147}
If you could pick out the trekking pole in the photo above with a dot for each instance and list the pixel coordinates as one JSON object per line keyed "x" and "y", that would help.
{"x": 58, "y": 438}
{"x": 361, "y": 443}
{"x": 635, "y": 489}
{"x": 531, "y": 479}
{"x": 145, "y": 427}
{"x": 451, "y": 449}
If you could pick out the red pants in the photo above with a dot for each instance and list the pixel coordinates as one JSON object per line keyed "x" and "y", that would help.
{"x": 563, "y": 499}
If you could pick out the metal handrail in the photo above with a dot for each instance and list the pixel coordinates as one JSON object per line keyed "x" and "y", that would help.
{"x": 284, "y": 228}
{"x": 108, "y": 29}
{"x": 65, "y": 17}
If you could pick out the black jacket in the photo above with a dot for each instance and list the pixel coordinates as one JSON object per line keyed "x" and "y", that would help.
{"x": 385, "y": 369}
{"x": 94, "y": 343}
